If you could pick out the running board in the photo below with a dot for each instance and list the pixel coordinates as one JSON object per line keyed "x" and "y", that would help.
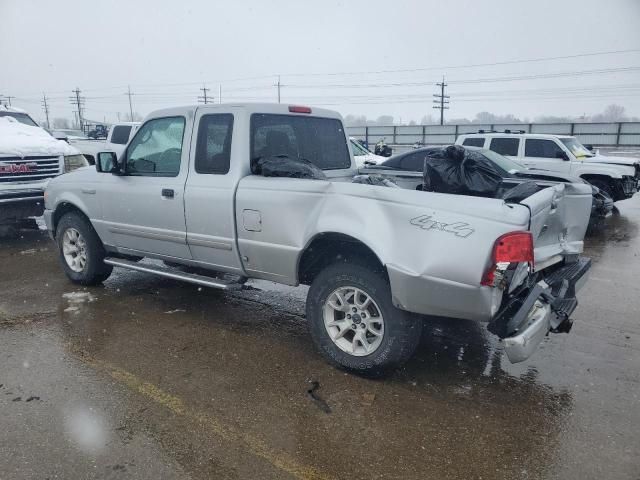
{"x": 174, "y": 274}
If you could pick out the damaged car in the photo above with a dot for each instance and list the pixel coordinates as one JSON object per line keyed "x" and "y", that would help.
{"x": 407, "y": 169}
{"x": 217, "y": 194}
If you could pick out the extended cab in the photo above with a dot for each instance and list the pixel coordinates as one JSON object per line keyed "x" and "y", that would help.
{"x": 206, "y": 190}
{"x": 29, "y": 157}
{"x": 619, "y": 177}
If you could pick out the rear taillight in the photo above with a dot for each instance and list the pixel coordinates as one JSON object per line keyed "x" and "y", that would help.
{"x": 513, "y": 247}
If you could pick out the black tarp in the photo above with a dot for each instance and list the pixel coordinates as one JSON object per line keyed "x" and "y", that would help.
{"x": 457, "y": 170}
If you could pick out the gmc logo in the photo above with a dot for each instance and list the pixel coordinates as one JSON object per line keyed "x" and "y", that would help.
{"x": 8, "y": 168}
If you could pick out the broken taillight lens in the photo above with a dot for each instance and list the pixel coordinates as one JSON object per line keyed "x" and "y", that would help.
{"x": 513, "y": 247}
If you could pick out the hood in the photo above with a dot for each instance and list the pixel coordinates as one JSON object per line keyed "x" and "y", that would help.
{"x": 629, "y": 161}
{"x": 548, "y": 175}
{"x": 370, "y": 158}
{"x": 18, "y": 139}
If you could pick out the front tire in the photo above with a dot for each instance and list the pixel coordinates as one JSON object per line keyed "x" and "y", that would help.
{"x": 354, "y": 324}
{"x": 81, "y": 251}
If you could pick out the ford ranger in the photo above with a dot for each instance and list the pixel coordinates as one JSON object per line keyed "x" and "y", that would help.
{"x": 185, "y": 192}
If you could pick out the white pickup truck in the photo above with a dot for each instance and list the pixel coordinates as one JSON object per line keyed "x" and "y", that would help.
{"x": 29, "y": 157}
{"x": 267, "y": 191}
{"x": 619, "y": 177}
{"x": 119, "y": 135}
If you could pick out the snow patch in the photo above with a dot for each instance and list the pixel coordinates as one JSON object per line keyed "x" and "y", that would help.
{"x": 22, "y": 140}
{"x": 78, "y": 297}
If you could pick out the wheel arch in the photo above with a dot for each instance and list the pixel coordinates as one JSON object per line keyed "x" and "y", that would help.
{"x": 62, "y": 209}
{"x": 327, "y": 248}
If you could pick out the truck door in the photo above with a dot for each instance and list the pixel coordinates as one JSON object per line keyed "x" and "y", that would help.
{"x": 143, "y": 209}
{"x": 545, "y": 154}
{"x": 210, "y": 192}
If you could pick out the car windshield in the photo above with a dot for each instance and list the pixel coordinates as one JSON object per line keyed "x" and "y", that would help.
{"x": 505, "y": 163}
{"x": 21, "y": 117}
{"x": 576, "y": 147}
{"x": 357, "y": 149}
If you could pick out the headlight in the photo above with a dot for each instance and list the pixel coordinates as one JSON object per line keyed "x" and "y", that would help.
{"x": 73, "y": 162}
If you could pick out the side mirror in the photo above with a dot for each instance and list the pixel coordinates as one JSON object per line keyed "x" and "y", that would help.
{"x": 562, "y": 155}
{"x": 108, "y": 163}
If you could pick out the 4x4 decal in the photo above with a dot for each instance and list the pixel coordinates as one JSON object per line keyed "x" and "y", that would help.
{"x": 427, "y": 222}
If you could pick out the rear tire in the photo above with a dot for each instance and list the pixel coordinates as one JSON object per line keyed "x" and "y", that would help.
{"x": 81, "y": 251}
{"x": 391, "y": 335}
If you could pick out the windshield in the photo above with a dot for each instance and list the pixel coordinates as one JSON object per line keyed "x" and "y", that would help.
{"x": 576, "y": 147}
{"x": 358, "y": 150}
{"x": 505, "y": 163}
{"x": 21, "y": 117}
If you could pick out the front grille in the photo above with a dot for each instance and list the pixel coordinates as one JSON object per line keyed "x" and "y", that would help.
{"x": 28, "y": 169}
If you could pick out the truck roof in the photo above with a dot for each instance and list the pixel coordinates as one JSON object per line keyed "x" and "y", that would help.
{"x": 272, "y": 108}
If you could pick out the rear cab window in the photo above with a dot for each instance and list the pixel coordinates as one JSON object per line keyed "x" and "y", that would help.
{"x": 505, "y": 146}
{"x": 473, "y": 142}
{"x": 213, "y": 148}
{"x": 120, "y": 134}
{"x": 321, "y": 141}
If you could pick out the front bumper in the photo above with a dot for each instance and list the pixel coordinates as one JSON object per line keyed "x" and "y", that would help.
{"x": 535, "y": 310}
{"x": 20, "y": 204}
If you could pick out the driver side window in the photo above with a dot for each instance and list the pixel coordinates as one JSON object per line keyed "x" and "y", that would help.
{"x": 156, "y": 149}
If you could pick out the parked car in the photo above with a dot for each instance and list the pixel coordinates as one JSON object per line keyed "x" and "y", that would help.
{"x": 406, "y": 170}
{"x": 118, "y": 136}
{"x": 362, "y": 156}
{"x": 619, "y": 177}
{"x": 29, "y": 157}
{"x": 264, "y": 191}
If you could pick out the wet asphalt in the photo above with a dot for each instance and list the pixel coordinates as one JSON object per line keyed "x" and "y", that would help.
{"x": 147, "y": 378}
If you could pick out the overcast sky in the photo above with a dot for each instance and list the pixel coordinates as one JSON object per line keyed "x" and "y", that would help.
{"x": 325, "y": 53}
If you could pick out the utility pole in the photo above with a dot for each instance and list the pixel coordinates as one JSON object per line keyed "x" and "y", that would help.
{"x": 45, "y": 106}
{"x": 220, "y": 93}
{"x": 7, "y": 99}
{"x": 130, "y": 104}
{"x": 78, "y": 101}
{"x": 441, "y": 101}
{"x": 278, "y": 85}
{"x": 203, "y": 98}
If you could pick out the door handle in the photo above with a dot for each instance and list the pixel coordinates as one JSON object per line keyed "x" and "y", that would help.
{"x": 168, "y": 192}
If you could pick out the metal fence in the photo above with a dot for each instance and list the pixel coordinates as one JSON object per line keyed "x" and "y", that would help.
{"x": 598, "y": 134}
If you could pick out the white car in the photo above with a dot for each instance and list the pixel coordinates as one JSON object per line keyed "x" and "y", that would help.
{"x": 362, "y": 156}
{"x": 119, "y": 135}
{"x": 619, "y": 177}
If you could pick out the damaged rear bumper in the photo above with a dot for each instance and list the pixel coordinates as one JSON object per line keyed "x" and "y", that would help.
{"x": 538, "y": 309}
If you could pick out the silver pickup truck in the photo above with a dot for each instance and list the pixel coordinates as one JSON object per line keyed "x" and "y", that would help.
{"x": 185, "y": 192}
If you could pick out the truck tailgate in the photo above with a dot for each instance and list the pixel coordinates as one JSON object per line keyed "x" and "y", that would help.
{"x": 559, "y": 220}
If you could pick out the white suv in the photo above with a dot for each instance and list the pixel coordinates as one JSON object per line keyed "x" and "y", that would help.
{"x": 617, "y": 176}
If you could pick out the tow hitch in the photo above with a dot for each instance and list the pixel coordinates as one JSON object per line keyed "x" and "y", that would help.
{"x": 535, "y": 310}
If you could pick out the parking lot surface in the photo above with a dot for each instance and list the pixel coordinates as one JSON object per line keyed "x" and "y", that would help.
{"x": 150, "y": 378}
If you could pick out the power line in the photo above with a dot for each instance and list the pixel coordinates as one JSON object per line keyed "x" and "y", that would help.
{"x": 45, "y": 106}
{"x": 442, "y": 100}
{"x": 473, "y": 65}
